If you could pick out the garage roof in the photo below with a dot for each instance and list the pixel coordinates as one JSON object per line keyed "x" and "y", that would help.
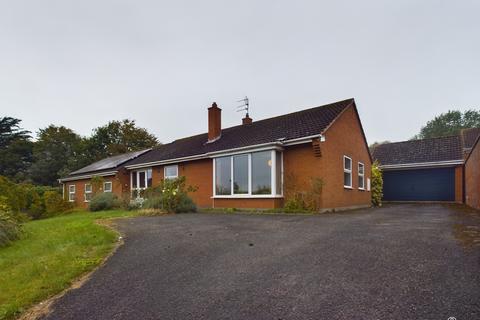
{"x": 419, "y": 151}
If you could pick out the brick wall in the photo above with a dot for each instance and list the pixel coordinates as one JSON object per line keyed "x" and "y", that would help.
{"x": 120, "y": 184}
{"x": 472, "y": 178}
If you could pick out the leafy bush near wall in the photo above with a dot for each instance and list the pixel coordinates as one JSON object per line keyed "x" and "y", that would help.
{"x": 104, "y": 201}
{"x": 377, "y": 185}
{"x": 55, "y": 204}
{"x": 303, "y": 198}
{"x": 10, "y": 229}
{"x": 171, "y": 196}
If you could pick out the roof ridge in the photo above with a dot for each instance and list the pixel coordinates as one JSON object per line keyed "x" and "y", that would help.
{"x": 419, "y": 140}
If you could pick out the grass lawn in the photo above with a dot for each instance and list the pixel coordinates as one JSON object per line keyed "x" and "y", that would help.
{"x": 51, "y": 254}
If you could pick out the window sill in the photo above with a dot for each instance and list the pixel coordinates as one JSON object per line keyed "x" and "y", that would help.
{"x": 361, "y": 189}
{"x": 347, "y": 187}
{"x": 248, "y": 196}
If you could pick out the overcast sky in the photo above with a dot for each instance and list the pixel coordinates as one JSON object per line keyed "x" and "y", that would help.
{"x": 162, "y": 63}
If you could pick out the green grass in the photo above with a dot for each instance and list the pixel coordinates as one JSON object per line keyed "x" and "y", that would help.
{"x": 51, "y": 254}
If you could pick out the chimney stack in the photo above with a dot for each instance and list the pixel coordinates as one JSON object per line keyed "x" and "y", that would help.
{"x": 214, "y": 122}
{"x": 247, "y": 120}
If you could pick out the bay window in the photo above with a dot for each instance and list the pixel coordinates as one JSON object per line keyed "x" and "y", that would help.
{"x": 139, "y": 181}
{"x": 249, "y": 174}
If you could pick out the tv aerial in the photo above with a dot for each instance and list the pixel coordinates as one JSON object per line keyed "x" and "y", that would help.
{"x": 245, "y": 106}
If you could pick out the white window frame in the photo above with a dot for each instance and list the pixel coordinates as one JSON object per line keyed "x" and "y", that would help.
{"x": 87, "y": 192}
{"x": 345, "y": 170}
{"x": 362, "y": 175}
{"x": 107, "y": 183}
{"x": 249, "y": 194}
{"x": 165, "y": 171}
{"x": 71, "y": 193}
{"x": 136, "y": 173}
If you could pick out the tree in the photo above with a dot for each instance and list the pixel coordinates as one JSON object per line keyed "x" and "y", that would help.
{"x": 119, "y": 137}
{"x": 450, "y": 123}
{"x": 57, "y": 151}
{"x": 15, "y": 149}
{"x": 376, "y": 144}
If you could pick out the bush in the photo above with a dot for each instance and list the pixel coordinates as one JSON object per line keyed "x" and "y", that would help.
{"x": 170, "y": 196}
{"x": 377, "y": 185}
{"x": 303, "y": 198}
{"x": 104, "y": 201}
{"x": 9, "y": 229}
{"x": 55, "y": 204}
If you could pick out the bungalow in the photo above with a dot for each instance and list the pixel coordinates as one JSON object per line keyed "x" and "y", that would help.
{"x": 429, "y": 169}
{"x": 260, "y": 164}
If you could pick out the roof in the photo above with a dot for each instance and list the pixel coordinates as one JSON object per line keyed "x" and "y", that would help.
{"x": 419, "y": 151}
{"x": 107, "y": 164}
{"x": 290, "y": 126}
{"x": 469, "y": 136}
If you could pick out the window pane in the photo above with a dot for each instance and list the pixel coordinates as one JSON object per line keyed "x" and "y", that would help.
{"x": 107, "y": 187}
{"x": 88, "y": 188}
{"x": 240, "y": 174}
{"x": 134, "y": 179}
{"x": 88, "y": 196}
{"x": 171, "y": 171}
{"x": 347, "y": 179}
{"x": 222, "y": 176}
{"x": 347, "y": 163}
{"x": 360, "y": 168}
{"x": 71, "y": 188}
{"x": 141, "y": 183}
{"x": 361, "y": 182}
{"x": 278, "y": 172}
{"x": 149, "y": 177}
{"x": 262, "y": 172}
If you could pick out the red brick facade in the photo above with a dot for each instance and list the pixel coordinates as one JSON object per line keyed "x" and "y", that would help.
{"x": 472, "y": 178}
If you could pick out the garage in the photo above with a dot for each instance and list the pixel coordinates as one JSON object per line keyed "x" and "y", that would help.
{"x": 423, "y": 170}
{"x": 436, "y": 184}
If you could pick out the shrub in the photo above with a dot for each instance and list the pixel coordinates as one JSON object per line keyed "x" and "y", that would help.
{"x": 55, "y": 204}
{"x": 171, "y": 196}
{"x": 9, "y": 229}
{"x": 301, "y": 198}
{"x": 377, "y": 185}
{"x": 104, "y": 201}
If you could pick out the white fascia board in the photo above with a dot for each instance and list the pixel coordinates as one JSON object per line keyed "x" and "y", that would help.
{"x": 422, "y": 165}
{"x": 88, "y": 176}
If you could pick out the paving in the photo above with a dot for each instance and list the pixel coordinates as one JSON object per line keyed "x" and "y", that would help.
{"x": 395, "y": 262}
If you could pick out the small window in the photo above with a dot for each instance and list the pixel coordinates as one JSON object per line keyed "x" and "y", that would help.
{"x": 71, "y": 193}
{"x": 361, "y": 176}
{"x": 347, "y": 172}
{"x": 107, "y": 186}
{"x": 171, "y": 172}
{"x": 88, "y": 192}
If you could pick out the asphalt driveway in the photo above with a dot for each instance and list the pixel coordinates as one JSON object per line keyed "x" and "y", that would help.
{"x": 397, "y": 262}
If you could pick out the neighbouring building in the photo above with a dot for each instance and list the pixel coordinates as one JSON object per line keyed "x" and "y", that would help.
{"x": 257, "y": 164}
{"x": 429, "y": 169}
{"x": 472, "y": 175}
